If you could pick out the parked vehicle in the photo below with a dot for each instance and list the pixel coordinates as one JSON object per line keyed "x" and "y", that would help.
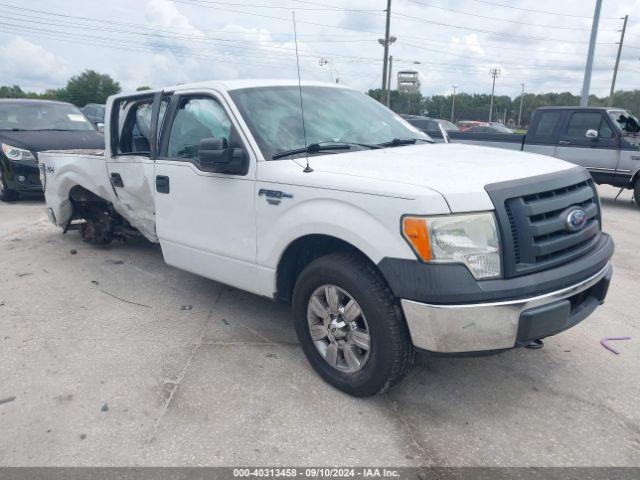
{"x": 430, "y": 125}
{"x": 488, "y": 129}
{"x": 382, "y": 241}
{"x": 29, "y": 126}
{"x": 606, "y": 141}
{"x": 95, "y": 113}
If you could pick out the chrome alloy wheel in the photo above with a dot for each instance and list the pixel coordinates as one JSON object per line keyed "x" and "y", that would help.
{"x": 338, "y": 328}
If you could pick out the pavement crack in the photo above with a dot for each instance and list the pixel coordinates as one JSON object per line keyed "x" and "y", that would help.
{"x": 170, "y": 387}
{"x": 420, "y": 449}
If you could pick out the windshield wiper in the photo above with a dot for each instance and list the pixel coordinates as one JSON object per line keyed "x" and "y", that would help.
{"x": 322, "y": 147}
{"x": 397, "y": 142}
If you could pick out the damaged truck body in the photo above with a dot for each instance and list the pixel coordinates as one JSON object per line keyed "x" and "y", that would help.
{"x": 382, "y": 241}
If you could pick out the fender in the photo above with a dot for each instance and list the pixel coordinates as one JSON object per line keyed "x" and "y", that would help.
{"x": 343, "y": 220}
{"x": 63, "y": 172}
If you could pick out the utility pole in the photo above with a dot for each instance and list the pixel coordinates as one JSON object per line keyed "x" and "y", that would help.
{"x": 615, "y": 70}
{"x": 385, "y": 43}
{"x": 453, "y": 102}
{"x": 495, "y": 73}
{"x": 520, "y": 114}
{"x": 586, "y": 84}
{"x": 388, "y": 98}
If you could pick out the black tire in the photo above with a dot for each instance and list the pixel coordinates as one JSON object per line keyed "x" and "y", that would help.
{"x": 6, "y": 194}
{"x": 636, "y": 191}
{"x": 391, "y": 351}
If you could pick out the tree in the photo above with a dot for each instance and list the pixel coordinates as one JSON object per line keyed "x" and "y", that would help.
{"x": 143, "y": 88}
{"x": 13, "y": 91}
{"x": 89, "y": 87}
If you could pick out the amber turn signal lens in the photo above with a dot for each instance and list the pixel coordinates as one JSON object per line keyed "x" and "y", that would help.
{"x": 416, "y": 232}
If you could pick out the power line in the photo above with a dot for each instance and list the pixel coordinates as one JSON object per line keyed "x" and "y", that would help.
{"x": 477, "y": 15}
{"x": 491, "y": 32}
{"x": 546, "y": 12}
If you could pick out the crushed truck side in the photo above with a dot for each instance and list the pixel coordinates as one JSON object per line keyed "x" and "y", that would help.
{"x": 76, "y": 186}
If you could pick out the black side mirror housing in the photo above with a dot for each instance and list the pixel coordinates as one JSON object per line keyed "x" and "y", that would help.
{"x": 215, "y": 155}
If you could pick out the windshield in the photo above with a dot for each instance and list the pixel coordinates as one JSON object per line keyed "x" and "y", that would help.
{"x": 626, "y": 122}
{"x": 330, "y": 114}
{"x": 42, "y": 116}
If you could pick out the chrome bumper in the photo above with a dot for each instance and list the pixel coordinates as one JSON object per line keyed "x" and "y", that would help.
{"x": 482, "y": 326}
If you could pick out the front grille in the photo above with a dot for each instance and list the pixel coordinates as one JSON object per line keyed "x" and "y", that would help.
{"x": 532, "y": 224}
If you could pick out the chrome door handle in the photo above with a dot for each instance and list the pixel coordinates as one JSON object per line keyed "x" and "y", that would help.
{"x": 564, "y": 142}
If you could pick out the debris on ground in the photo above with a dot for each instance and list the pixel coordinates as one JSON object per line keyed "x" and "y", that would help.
{"x": 105, "y": 408}
{"x": 604, "y": 341}
{"x": 73, "y": 252}
{"x": 7, "y": 400}
{"x": 26, "y": 274}
{"x": 186, "y": 307}
{"x": 83, "y": 436}
{"x": 95, "y": 282}
{"x": 114, "y": 262}
{"x": 125, "y": 301}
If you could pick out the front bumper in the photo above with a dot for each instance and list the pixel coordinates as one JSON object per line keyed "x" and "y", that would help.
{"x": 23, "y": 177}
{"x": 506, "y": 324}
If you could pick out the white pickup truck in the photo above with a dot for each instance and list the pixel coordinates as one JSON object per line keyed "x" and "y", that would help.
{"x": 385, "y": 243}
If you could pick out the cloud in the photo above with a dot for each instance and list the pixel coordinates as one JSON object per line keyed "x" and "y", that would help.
{"x": 29, "y": 64}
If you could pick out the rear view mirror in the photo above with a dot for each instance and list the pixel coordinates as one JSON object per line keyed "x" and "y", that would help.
{"x": 215, "y": 155}
{"x": 591, "y": 133}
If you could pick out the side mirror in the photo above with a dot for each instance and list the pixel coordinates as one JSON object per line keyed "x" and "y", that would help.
{"x": 592, "y": 134}
{"x": 100, "y": 127}
{"x": 215, "y": 155}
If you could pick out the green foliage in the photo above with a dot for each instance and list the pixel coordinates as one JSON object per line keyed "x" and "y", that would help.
{"x": 88, "y": 87}
{"x": 476, "y": 106}
{"x": 143, "y": 88}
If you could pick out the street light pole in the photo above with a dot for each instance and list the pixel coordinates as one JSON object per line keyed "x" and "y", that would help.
{"x": 386, "y": 48}
{"x": 388, "y": 98}
{"x": 520, "y": 114}
{"x": 615, "y": 70}
{"x": 495, "y": 72}
{"x": 453, "y": 102}
{"x": 586, "y": 84}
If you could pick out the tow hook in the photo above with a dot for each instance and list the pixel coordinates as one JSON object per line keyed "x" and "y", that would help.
{"x": 535, "y": 345}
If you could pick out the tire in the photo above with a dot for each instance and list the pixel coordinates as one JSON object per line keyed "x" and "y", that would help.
{"x": 370, "y": 308}
{"x": 6, "y": 194}
{"x": 636, "y": 191}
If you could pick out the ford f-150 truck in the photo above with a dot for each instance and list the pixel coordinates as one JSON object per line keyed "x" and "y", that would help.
{"x": 606, "y": 141}
{"x": 382, "y": 241}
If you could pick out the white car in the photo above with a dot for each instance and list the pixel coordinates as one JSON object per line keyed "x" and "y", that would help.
{"x": 384, "y": 242}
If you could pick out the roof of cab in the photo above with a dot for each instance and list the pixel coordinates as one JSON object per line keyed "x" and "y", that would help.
{"x": 229, "y": 85}
{"x": 606, "y": 109}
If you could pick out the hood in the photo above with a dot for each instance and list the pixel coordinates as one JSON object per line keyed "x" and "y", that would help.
{"x": 458, "y": 172}
{"x": 38, "y": 141}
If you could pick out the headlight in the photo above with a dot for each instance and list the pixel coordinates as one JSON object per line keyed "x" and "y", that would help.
{"x": 470, "y": 239}
{"x": 17, "y": 154}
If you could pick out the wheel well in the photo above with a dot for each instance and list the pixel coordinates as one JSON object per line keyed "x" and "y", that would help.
{"x": 301, "y": 253}
{"x": 80, "y": 194}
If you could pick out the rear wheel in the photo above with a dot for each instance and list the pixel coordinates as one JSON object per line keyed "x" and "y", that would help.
{"x": 636, "y": 191}
{"x": 350, "y": 325}
{"x": 6, "y": 194}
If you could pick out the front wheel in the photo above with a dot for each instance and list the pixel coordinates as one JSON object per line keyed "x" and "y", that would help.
{"x": 350, "y": 325}
{"x": 636, "y": 191}
{"x": 6, "y": 194}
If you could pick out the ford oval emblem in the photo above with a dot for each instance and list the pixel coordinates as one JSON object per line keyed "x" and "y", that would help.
{"x": 575, "y": 219}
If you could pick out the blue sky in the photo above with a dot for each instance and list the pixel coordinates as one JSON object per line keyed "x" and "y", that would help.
{"x": 165, "y": 42}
